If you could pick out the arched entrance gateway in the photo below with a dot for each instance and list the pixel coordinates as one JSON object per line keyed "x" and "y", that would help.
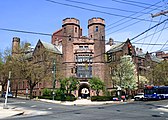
{"x": 84, "y": 90}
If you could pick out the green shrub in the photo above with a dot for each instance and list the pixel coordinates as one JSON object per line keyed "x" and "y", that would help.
{"x": 47, "y": 92}
{"x": 62, "y": 97}
{"x": 101, "y": 98}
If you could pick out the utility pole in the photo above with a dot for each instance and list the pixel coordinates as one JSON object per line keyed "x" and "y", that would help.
{"x": 54, "y": 77}
{"x": 160, "y": 13}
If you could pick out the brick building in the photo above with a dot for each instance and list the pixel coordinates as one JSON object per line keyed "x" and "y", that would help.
{"x": 80, "y": 56}
{"x": 144, "y": 62}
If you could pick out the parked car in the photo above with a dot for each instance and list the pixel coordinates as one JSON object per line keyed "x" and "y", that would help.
{"x": 139, "y": 96}
{"x": 10, "y": 94}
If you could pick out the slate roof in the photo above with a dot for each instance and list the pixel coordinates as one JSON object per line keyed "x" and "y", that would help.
{"x": 155, "y": 59}
{"x": 116, "y": 47}
{"x": 50, "y": 47}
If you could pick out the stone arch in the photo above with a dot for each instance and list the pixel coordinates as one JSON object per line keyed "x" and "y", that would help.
{"x": 84, "y": 90}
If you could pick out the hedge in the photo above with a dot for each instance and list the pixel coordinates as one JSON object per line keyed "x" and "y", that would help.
{"x": 101, "y": 98}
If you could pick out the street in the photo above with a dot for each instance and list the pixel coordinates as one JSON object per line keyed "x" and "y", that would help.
{"x": 139, "y": 110}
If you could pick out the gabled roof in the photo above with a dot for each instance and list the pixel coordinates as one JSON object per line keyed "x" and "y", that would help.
{"x": 116, "y": 47}
{"x": 50, "y": 47}
{"x": 155, "y": 59}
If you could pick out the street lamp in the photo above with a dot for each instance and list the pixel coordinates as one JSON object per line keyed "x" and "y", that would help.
{"x": 54, "y": 77}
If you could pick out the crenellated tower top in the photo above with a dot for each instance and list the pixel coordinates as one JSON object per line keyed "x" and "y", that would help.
{"x": 70, "y": 21}
{"x": 96, "y": 20}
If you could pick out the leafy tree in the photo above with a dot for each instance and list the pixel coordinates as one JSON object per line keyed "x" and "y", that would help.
{"x": 125, "y": 74}
{"x": 160, "y": 73}
{"x": 69, "y": 84}
{"x": 5, "y": 66}
{"x": 142, "y": 81}
{"x": 96, "y": 84}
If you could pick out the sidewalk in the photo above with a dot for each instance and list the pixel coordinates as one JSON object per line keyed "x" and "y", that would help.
{"x": 9, "y": 111}
{"x": 82, "y": 102}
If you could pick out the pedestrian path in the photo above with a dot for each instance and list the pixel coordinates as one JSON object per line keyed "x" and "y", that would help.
{"x": 9, "y": 111}
{"x": 81, "y": 102}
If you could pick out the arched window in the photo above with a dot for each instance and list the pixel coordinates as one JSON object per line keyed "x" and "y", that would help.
{"x": 97, "y": 28}
{"x": 75, "y": 29}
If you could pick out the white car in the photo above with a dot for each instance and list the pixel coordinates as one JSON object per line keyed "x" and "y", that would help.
{"x": 139, "y": 96}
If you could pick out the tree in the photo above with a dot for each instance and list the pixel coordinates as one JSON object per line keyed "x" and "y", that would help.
{"x": 160, "y": 73}
{"x": 96, "y": 84}
{"x": 69, "y": 84}
{"x": 5, "y": 66}
{"x": 125, "y": 73}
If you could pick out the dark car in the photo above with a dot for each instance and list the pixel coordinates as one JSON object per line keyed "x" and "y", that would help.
{"x": 9, "y": 94}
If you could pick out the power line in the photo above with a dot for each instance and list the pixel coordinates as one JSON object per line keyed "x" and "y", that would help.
{"x": 154, "y": 32}
{"x": 150, "y": 44}
{"x": 159, "y": 35}
{"x": 148, "y": 29}
{"x": 93, "y": 10}
{"x": 129, "y": 4}
{"x": 164, "y": 45}
{"x": 139, "y": 2}
{"x": 147, "y": 32}
{"x": 151, "y": 34}
{"x": 116, "y": 25}
{"x": 104, "y": 7}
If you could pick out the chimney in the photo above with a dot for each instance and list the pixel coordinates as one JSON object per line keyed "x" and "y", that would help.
{"x": 111, "y": 41}
{"x": 140, "y": 50}
{"x": 15, "y": 45}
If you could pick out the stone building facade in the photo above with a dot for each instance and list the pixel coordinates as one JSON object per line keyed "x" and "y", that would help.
{"x": 84, "y": 55}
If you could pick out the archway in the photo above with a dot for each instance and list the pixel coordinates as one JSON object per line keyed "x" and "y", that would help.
{"x": 84, "y": 91}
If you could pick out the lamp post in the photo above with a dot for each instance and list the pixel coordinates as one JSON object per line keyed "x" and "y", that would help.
{"x": 54, "y": 77}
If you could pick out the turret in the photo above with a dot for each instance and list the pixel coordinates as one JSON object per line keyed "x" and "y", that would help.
{"x": 96, "y": 28}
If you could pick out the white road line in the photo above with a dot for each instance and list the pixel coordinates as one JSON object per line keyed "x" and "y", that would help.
{"x": 33, "y": 106}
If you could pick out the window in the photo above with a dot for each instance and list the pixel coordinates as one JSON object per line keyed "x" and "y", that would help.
{"x": 97, "y": 28}
{"x": 64, "y": 29}
{"x": 84, "y": 72}
{"x": 86, "y": 47}
{"x": 102, "y": 37}
{"x": 75, "y": 29}
{"x": 81, "y": 47}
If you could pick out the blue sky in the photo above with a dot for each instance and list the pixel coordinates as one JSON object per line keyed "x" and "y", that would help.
{"x": 46, "y": 16}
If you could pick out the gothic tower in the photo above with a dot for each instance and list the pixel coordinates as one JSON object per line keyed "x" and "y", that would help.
{"x": 96, "y": 31}
{"x": 71, "y": 31}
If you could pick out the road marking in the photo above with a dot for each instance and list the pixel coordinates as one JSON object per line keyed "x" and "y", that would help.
{"x": 161, "y": 113}
{"x": 15, "y": 103}
{"x": 33, "y": 106}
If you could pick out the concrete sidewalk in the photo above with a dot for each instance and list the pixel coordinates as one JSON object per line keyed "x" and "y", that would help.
{"x": 82, "y": 102}
{"x": 9, "y": 111}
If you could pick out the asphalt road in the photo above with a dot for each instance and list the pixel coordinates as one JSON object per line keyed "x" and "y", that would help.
{"x": 138, "y": 110}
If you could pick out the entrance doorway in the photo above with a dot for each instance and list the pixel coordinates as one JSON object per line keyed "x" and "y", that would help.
{"x": 84, "y": 91}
